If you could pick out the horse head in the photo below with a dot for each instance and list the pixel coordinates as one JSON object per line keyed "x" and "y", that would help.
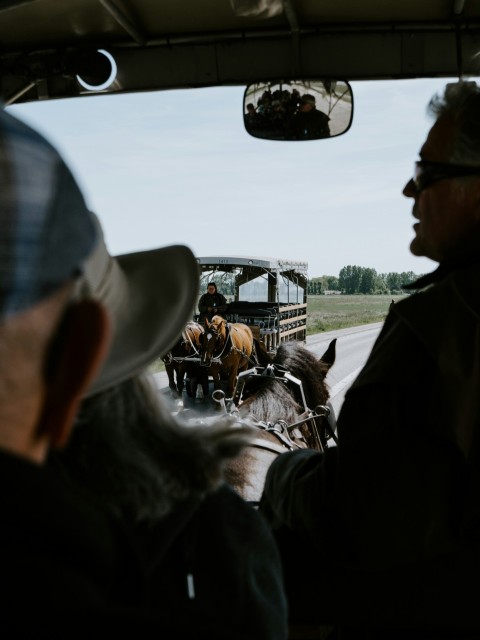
{"x": 287, "y": 401}
{"x": 305, "y": 366}
{"x": 213, "y": 339}
{"x": 313, "y": 392}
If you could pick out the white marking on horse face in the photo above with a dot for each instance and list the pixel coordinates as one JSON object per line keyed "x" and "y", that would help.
{"x": 209, "y": 336}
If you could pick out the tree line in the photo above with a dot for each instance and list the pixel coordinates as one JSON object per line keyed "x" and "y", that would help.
{"x": 353, "y": 279}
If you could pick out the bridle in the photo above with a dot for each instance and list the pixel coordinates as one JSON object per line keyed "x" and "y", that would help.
{"x": 227, "y": 342}
{"x": 216, "y": 359}
{"x": 283, "y": 432}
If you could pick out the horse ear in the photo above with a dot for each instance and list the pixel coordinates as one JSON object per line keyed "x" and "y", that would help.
{"x": 207, "y": 323}
{"x": 328, "y": 357}
{"x": 262, "y": 354}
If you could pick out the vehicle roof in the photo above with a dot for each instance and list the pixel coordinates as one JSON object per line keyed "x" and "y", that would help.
{"x": 230, "y": 263}
{"x": 162, "y": 44}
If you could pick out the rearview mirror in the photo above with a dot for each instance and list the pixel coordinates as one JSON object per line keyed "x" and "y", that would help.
{"x": 298, "y": 109}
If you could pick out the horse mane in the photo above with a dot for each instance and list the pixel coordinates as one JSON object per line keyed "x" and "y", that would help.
{"x": 270, "y": 402}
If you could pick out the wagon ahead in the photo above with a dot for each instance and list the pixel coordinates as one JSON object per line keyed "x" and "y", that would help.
{"x": 267, "y": 294}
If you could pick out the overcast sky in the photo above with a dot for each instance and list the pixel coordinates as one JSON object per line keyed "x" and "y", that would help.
{"x": 178, "y": 167}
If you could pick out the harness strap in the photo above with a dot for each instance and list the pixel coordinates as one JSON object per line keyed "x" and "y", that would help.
{"x": 227, "y": 339}
{"x": 187, "y": 337}
{"x": 258, "y": 443}
{"x": 242, "y": 351}
{"x": 279, "y": 430}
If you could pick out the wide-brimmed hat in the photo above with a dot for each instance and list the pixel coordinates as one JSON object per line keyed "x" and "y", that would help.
{"x": 150, "y": 296}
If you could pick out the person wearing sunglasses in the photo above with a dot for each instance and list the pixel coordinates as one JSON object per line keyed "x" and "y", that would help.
{"x": 393, "y": 512}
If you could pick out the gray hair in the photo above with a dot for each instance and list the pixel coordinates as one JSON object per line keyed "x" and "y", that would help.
{"x": 461, "y": 100}
{"x": 139, "y": 460}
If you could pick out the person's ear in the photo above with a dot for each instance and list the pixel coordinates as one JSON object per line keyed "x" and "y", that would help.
{"x": 76, "y": 354}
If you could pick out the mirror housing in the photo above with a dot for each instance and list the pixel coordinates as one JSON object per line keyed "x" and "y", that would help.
{"x": 298, "y": 109}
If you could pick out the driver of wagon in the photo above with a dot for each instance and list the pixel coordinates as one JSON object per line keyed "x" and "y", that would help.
{"x": 211, "y": 303}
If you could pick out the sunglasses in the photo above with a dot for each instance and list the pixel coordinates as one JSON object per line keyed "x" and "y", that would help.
{"x": 427, "y": 173}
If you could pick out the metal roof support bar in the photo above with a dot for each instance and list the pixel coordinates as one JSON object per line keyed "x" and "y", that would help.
{"x": 458, "y": 8}
{"x": 18, "y": 94}
{"x": 124, "y": 21}
{"x": 295, "y": 31}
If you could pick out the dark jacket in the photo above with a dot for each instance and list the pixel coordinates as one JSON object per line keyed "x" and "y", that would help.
{"x": 310, "y": 125}
{"x": 207, "y": 558}
{"x": 401, "y": 493}
{"x": 214, "y": 562}
{"x": 61, "y": 559}
{"x": 215, "y": 301}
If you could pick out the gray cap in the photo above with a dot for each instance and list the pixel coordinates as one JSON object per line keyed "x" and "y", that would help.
{"x": 46, "y": 230}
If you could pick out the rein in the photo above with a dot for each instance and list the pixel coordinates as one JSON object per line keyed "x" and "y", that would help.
{"x": 187, "y": 338}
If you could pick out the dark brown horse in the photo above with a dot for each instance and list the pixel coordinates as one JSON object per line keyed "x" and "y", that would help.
{"x": 227, "y": 348}
{"x": 184, "y": 359}
{"x": 288, "y": 403}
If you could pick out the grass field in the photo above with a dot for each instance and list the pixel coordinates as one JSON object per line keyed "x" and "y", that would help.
{"x": 326, "y": 313}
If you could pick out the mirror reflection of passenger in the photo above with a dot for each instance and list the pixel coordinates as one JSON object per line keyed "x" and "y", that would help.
{"x": 309, "y": 122}
{"x": 252, "y": 118}
{"x": 211, "y": 303}
{"x": 279, "y": 120}
{"x": 292, "y": 102}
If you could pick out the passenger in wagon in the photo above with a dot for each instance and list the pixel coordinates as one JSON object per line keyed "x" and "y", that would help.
{"x": 208, "y": 557}
{"x": 211, "y": 303}
{"x": 393, "y": 513}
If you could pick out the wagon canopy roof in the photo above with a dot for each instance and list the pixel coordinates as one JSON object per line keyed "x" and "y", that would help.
{"x": 161, "y": 44}
{"x": 247, "y": 268}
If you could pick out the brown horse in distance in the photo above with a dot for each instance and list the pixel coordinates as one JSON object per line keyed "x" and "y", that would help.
{"x": 275, "y": 403}
{"x": 228, "y": 348}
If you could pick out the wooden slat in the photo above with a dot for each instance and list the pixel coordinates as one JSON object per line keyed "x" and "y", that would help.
{"x": 292, "y": 307}
{"x": 291, "y": 331}
{"x": 294, "y": 319}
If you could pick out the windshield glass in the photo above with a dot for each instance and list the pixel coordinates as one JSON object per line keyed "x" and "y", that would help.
{"x": 178, "y": 167}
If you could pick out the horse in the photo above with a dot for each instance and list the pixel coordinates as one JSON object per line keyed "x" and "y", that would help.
{"x": 226, "y": 347}
{"x": 287, "y": 404}
{"x": 180, "y": 362}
